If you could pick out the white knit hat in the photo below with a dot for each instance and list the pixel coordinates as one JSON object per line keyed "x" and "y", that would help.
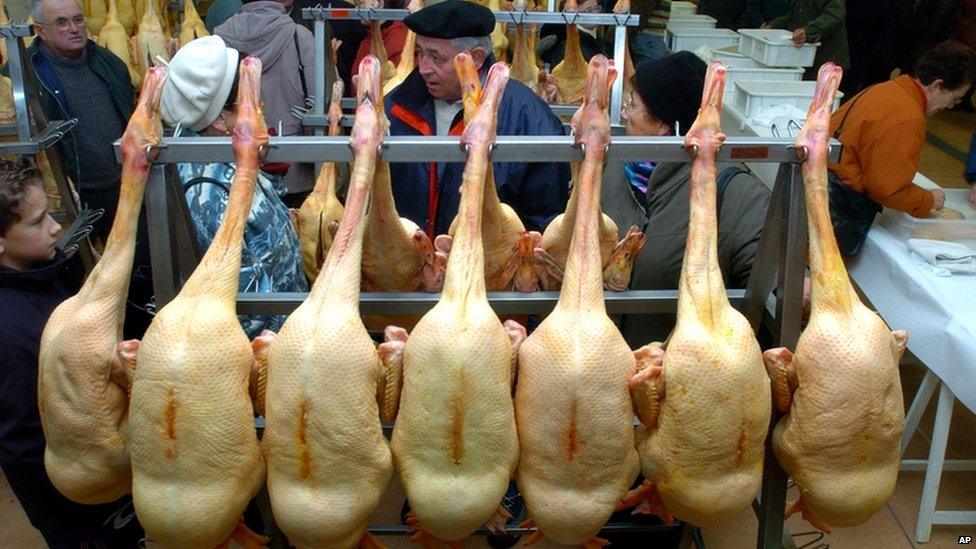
{"x": 201, "y": 75}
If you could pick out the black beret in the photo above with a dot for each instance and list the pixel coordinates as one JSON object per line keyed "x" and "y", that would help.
{"x": 671, "y": 87}
{"x": 451, "y": 19}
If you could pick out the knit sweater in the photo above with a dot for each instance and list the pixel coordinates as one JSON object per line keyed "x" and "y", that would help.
{"x": 883, "y": 138}
{"x": 88, "y": 100}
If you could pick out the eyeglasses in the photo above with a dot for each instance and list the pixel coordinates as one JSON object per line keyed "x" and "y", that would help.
{"x": 63, "y": 23}
{"x": 629, "y": 105}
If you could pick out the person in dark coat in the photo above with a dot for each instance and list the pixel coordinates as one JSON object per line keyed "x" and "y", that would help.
{"x": 725, "y": 12}
{"x": 871, "y": 39}
{"x": 655, "y": 196}
{"x": 759, "y": 12}
{"x": 428, "y": 103}
{"x": 30, "y": 288}
{"x": 818, "y": 21}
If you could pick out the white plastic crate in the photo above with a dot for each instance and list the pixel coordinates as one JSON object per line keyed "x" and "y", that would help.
{"x": 905, "y": 226}
{"x": 692, "y": 39}
{"x": 758, "y": 74}
{"x": 678, "y": 22}
{"x": 751, "y": 97}
{"x": 731, "y": 57}
{"x": 775, "y": 48}
{"x": 683, "y": 8}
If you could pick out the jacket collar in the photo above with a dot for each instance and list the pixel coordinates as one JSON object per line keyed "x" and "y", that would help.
{"x": 412, "y": 94}
{"x": 41, "y": 277}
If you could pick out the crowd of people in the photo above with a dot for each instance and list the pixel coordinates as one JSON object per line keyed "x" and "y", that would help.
{"x": 882, "y": 128}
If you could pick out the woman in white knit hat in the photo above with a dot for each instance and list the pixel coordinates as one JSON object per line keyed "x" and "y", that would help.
{"x": 200, "y": 96}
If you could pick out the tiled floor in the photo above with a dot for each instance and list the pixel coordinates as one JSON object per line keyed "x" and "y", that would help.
{"x": 890, "y": 528}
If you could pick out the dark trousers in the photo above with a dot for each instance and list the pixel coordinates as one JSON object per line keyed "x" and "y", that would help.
{"x": 66, "y": 524}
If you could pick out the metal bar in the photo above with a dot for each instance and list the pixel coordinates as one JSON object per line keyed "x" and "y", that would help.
{"x": 33, "y": 145}
{"x": 933, "y": 474}
{"x": 948, "y": 465}
{"x": 792, "y": 259}
{"x": 763, "y": 274}
{"x": 617, "y": 91}
{"x": 321, "y": 45}
{"x": 17, "y": 54}
{"x": 507, "y": 148}
{"x": 15, "y": 31}
{"x": 504, "y": 303}
{"x": 516, "y": 17}
{"x": 959, "y": 518}
{"x": 921, "y": 401}
{"x": 161, "y": 251}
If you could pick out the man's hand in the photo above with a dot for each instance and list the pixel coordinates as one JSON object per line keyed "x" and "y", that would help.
{"x": 972, "y": 194}
{"x": 800, "y": 36}
{"x": 938, "y": 199}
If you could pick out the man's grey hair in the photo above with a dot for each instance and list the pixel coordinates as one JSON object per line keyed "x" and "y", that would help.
{"x": 37, "y": 14}
{"x": 35, "y": 11}
{"x": 468, "y": 43}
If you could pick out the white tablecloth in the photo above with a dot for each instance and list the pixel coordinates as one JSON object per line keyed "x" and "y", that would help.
{"x": 938, "y": 312}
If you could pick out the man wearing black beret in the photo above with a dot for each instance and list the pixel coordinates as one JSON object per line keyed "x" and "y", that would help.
{"x": 665, "y": 99}
{"x": 428, "y": 103}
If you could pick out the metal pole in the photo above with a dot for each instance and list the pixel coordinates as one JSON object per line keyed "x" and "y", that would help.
{"x": 619, "y": 53}
{"x": 792, "y": 261}
{"x": 161, "y": 250}
{"x": 18, "y": 59}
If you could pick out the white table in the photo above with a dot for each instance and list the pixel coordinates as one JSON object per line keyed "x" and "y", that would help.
{"x": 940, "y": 316}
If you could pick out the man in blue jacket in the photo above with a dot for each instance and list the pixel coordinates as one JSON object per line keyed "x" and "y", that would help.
{"x": 79, "y": 79}
{"x": 428, "y": 102}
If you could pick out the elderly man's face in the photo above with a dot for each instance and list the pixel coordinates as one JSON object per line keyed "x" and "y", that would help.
{"x": 435, "y": 61}
{"x": 63, "y": 27}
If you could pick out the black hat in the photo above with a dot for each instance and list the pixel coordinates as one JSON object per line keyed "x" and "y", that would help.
{"x": 671, "y": 87}
{"x": 451, "y": 19}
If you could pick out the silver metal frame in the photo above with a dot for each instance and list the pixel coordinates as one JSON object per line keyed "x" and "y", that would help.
{"x": 526, "y": 148}
{"x": 778, "y": 269}
{"x": 35, "y": 133}
{"x": 316, "y": 118}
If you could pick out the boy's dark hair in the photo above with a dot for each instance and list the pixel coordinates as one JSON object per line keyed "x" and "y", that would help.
{"x": 952, "y": 62}
{"x": 16, "y": 178}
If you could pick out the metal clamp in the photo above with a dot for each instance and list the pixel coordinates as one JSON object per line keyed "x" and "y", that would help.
{"x": 566, "y": 19}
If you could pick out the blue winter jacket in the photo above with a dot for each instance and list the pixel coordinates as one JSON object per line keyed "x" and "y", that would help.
{"x": 537, "y": 191}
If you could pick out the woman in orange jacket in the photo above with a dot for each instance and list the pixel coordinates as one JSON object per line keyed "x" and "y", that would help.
{"x": 883, "y": 131}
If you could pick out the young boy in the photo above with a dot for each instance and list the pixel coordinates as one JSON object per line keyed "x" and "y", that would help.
{"x": 30, "y": 289}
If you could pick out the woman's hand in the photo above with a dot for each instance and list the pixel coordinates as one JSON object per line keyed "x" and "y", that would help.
{"x": 972, "y": 194}
{"x": 938, "y": 199}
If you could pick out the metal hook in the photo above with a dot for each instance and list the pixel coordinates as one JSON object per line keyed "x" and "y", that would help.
{"x": 793, "y": 124}
{"x": 491, "y": 149}
{"x": 263, "y": 151}
{"x": 692, "y": 151}
{"x": 582, "y": 148}
{"x": 152, "y": 153}
{"x": 178, "y": 129}
{"x": 802, "y": 154}
{"x": 466, "y": 147}
{"x": 364, "y": 17}
{"x": 774, "y": 130}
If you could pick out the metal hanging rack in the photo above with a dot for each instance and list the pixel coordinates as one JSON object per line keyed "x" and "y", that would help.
{"x": 316, "y": 118}
{"x": 776, "y": 280}
{"x": 35, "y": 133}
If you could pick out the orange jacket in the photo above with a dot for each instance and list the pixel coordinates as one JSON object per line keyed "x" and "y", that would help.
{"x": 883, "y": 138}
